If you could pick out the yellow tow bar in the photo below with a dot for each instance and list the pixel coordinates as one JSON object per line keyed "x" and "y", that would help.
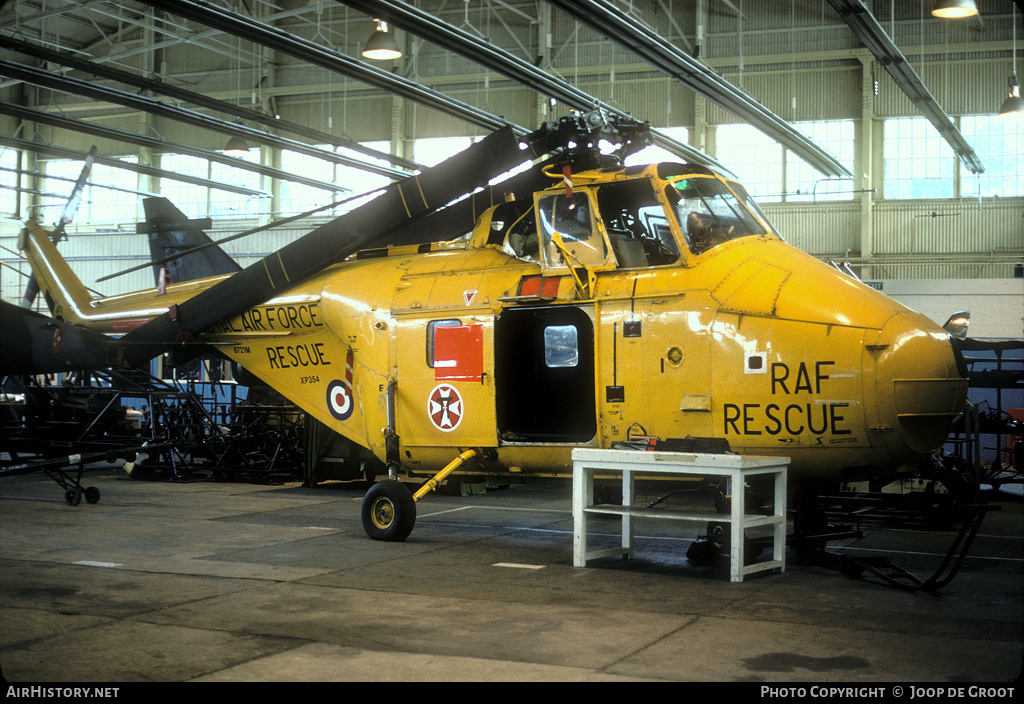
{"x": 435, "y": 481}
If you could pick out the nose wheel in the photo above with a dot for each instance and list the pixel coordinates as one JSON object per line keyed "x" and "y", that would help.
{"x": 389, "y": 511}
{"x": 389, "y": 508}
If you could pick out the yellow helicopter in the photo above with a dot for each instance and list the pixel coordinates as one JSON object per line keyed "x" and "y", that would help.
{"x": 590, "y": 303}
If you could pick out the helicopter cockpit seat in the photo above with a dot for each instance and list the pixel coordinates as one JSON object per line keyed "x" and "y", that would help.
{"x": 629, "y": 251}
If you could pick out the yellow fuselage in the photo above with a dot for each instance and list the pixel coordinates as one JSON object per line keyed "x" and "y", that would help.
{"x": 750, "y": 340}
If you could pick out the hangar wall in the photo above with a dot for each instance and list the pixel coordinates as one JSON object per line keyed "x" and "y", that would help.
{"x": 800, "y": 60}
{"x": 996, "y": 305}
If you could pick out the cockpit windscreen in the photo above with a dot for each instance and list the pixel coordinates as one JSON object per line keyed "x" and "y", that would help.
{"x": 709, "y": 213}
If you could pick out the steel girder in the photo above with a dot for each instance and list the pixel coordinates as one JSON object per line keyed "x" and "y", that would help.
{"x": 156, "y": 86}
{"x": 856, "y": 14}
{"x": 67, "y": 123}
{"x": 279, "y": 40}
{"x": 422, "y": 24}
{"x": 71, "y": 154}
{"x": 603, "y": 17}
{"x": 47, "y": 79}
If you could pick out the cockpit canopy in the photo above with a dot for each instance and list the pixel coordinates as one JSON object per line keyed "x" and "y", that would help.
{"x": 628, "y": 218}
{"x": 709, "y": 212}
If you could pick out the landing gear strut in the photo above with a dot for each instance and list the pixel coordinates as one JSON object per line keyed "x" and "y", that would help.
{"x": 389, "y": 508}
{"x": 389, "y": 511}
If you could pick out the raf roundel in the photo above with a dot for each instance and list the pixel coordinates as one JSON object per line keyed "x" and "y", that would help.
{"x": 339, "y": 400}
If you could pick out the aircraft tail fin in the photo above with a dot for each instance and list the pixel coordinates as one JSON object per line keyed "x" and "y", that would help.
{"x": 36, "y": 344}
{"x": 66, "y": 296}
{"x": 171, "y": 233}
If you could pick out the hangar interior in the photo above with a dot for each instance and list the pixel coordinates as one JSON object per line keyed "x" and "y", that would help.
{"x": 869, "y": 132}
{"x": 159, "y": 88}
{"x": 901, "y": 170}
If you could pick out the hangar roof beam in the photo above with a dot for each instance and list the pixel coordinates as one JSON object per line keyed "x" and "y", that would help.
{"x": 66, "y": 59}
{"x": 606, "y": 19}
{"x": 317, "y": 55}
{"x": 874, "y": 37}
{"x": 436, "y": 31}
{"x": 160, "y": 145}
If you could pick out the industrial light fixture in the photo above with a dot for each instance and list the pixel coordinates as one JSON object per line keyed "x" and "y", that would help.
{"x": 1013, "y": 106}
{"x": 381, "y": 45}
{"x": 955, "y": 8}
{"x": 237, "y": 147}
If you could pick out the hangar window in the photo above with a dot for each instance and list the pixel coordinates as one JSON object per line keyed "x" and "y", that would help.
{"x": 299, "y": 197}
{"x": 189, "y": 198}
{"x": 804, "y": 183}
{"x": 225, "y": 204}
{"x": 919, "y": 163}
{"x": 998, "y": 142}
{"x": 116, "y": 200}
{"x": 117, "y": 203}
{"x": 754, "y": 157}
{"x": 430, "y": 152}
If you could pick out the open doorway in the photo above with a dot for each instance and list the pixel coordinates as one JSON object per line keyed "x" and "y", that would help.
{"x": 544, "y": 375}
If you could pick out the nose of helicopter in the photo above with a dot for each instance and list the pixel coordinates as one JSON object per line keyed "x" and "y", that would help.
{"x": 920, "y": 386}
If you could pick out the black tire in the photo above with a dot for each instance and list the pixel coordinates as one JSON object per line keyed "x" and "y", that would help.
{"x": 92, "y": 495}
{"x": 73, "y": 497}
{"x": 389, "y": 511}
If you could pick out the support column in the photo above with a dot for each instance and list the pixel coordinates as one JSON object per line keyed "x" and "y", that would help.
{"x": 864, "y": 162}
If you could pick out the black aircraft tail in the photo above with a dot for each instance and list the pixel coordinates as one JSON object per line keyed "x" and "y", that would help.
{"x": 171, "y": 233}
{"x": 36, "y": 344}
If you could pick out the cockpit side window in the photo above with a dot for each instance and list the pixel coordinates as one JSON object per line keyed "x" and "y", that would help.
{"x": 637, "y": 224}
{"x": 710, "y": 214}
{"x": 514, "y": 227}
{"x": 571, "y": 218}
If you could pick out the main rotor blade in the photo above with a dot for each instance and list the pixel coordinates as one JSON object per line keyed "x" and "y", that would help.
{"x": 399, "y": 203}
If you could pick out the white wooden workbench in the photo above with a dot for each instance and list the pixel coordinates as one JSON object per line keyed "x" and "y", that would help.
{"x": 738, "y": 469}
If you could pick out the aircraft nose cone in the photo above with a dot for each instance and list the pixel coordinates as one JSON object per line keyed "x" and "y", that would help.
{"x": 920, "y": 388}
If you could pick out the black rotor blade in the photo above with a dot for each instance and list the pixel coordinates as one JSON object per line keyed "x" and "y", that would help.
{"x": 36, "y": 344}
{"x": 398, "y": 204}
{"x": 70, "y": 208}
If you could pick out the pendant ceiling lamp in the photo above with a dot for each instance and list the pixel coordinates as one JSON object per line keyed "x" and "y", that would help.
{"x": 955, "y": 8}
{"x": 236, "y": 147}
{"x": 381, "y": 45}
{"x": 1013, "y": 106}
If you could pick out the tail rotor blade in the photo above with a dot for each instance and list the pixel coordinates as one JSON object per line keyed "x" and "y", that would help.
{"x": 70, "y": 208}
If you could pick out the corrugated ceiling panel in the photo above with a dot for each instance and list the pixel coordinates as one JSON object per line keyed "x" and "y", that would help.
{"x": 961, "y": 88}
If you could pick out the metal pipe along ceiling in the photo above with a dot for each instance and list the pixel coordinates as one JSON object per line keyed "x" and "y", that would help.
{"x": 606, "y": 19}
{"x": 41, "y": 77}
{"x": 102, "y": 131}
{"x": 65, "y": 59}
{"x": 73, "y": 155}
{"x": 873, "y": 36}
{"x": 305, "y": 50}
{"x": 421, "y": 24}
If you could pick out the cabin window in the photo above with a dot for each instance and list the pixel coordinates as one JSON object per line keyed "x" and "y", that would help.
{"x": 638, "y": 227}
{"x": 571, "y": 218}
{"x": 561, "y": 348}
{"x": 513, "y": 227}
{"x": 709, "y": 213}
{"x": 431, "y": 331}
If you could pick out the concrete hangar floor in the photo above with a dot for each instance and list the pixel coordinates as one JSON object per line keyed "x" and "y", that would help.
{"x": 241, "y": 582}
